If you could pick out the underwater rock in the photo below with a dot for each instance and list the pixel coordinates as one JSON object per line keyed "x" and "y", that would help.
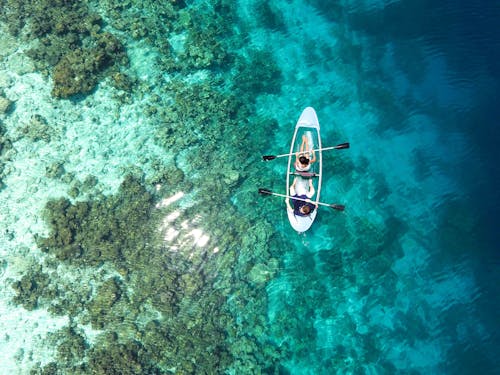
{"x": 37, "y": 129}
{"x": 25, "y": 293}
{"x": 168, "y": 177}
{"x": 270, "y": 16}
{"x": 262, "y": 273}
{"x": 55, "y": 170}
{"x": 122, "y": 81}
{"x": 231, "y": 177}
{"x": 5, "y": 105}
{"x": 5, "y": 142}
{"x": 89, "y": 183}
{"x": 6, "y": 81}
{"x": 5, "y": 146}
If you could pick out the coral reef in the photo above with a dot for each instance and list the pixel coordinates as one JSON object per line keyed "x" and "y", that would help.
{"x": 100, "y": 308}
{"x": 120, "y": 358}
{"x": 79, "y": 71}
{"x": 76, "y": 72}
{"x": 108, "y": 356}
{"x": 165, "y": 307}
{"x": 204, "y": 30}
{"x": 102, "y": 230}
{"x": 71, "y": 344}
{"x": 197, "y": 320}
{"x": 113, "y": 230}
{"x": 69, "y": 42}
{"x": 204, "y": 46}
{"x": 33, "y": 286}
{"x": 209, "y": 121}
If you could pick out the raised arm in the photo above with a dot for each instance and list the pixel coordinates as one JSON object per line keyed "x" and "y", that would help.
{"x": 313, "y": 158}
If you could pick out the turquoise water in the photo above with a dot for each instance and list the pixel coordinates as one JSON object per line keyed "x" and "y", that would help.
{"x": 134, "y": 239}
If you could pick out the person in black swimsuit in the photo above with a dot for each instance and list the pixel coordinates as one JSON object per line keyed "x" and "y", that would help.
{"x": 303, "y": 190}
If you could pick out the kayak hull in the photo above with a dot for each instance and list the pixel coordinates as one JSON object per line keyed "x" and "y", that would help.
{"x": 308, "y": 126}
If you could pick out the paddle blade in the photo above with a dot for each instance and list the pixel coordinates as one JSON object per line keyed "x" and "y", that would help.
{"x": 342, "y": 145}
{"x": 265, "y": 191}
{"x": 268, "y": 157}
{"x": 338, "y": 207}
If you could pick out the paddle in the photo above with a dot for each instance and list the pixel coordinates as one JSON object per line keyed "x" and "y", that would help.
{"x": 338, "y": 207}
{"x": 338, "y": 147}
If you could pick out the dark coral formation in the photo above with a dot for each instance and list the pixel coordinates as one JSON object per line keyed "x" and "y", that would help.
{"x": 101, "y": 307}
{"x": 79, "y": 71}
{"x": 89, "y": 233}
{"x": 116, "y": 358}
{"x": 33, "y": 286}
{"x": 70, "y": 43}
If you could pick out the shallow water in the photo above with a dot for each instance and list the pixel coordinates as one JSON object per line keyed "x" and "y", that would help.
{"x": 405, "y": 280}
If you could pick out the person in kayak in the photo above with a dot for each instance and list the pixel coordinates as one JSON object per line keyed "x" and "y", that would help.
{"x": 305, "y": 157}
{"x": 300, "y": 188}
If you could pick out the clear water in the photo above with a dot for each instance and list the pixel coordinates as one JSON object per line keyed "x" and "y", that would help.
{"x": 404, "y": 281}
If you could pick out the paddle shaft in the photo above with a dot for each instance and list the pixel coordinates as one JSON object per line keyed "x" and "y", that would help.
{"x": 300, "y": 152}
{"x": 297, "y": 199}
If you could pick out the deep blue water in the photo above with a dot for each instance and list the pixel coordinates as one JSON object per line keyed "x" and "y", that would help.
{"x": 427, "y": 167}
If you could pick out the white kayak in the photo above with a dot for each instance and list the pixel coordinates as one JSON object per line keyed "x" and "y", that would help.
{"x": 307, "y": 136}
